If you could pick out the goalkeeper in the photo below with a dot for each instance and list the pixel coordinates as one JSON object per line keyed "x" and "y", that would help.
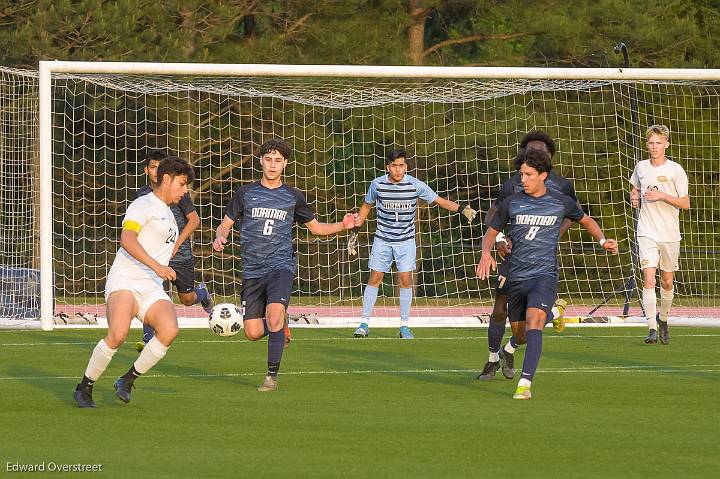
{"x": 395, "y": 196}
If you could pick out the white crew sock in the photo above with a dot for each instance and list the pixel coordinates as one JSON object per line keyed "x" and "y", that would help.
{"x": 99, "y": 360}
{"x": 153, "y": 352}
{"x": 666, "y": 299}
{"x": 649, "y": 301}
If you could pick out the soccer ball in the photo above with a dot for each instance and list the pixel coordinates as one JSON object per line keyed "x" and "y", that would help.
{"x": 226, "y": 320}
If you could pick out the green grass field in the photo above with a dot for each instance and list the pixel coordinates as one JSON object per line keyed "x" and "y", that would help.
{"x": 605, "y": 405}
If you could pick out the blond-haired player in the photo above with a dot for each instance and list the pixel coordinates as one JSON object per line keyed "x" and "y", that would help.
{"x": 660, "y": 190}
{"x": 134, "y": 284}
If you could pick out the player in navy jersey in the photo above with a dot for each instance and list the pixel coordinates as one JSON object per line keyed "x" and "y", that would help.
{"x": 504, "y": 357}
{"x": 534, "y": 216}
{"x": 266, "y": 211}
{"x": 395, "y": 196}
{"x": 182, "y": 260}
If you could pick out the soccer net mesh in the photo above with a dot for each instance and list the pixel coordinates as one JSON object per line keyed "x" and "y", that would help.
{"x": 461, "y": 135}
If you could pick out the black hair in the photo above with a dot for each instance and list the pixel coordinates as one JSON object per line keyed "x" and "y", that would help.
{"x": 175, "y": 166}
{"x": 154, "y": 155}
{"x": 276, "y": 144}
{"x": 535, "y": 135}
{"x": 394, "y": 155}
{"x": 537, "y": 159}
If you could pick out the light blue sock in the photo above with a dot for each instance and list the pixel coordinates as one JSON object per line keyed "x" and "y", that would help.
{"x": 405, "y": 301}
{"x": 369, "y": 298}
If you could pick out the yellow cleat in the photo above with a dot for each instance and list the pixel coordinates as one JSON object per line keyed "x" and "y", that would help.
{"x": 522, "y": 392}
{"x": 559, "y": 321}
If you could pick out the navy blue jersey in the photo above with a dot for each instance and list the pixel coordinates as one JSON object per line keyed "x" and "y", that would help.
{"x": 534, "y": 231}
{"x": 180, "y": 212}
{"x": 554, "y": 181}
{"x": 264, "y": 219}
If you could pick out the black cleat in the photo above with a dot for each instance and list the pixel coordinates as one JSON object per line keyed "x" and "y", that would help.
{"x": 651, "y": 337}
{"x": 508, "y": 364}
{"x": 663, "y": 331}
{"x": 122, "y": 389}
{"x": 83, "y": 396}
{"x": 489, "y": 371}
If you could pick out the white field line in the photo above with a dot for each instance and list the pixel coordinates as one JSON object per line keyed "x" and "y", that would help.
{"x": 361, "y": 340}
{"x": 691, "y": 368}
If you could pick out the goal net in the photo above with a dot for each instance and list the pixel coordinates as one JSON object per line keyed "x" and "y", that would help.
{"x": 461, "y": 135}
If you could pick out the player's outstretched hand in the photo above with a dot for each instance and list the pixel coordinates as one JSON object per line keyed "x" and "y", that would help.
{"x": 469, "y": 213}
{"x": 219, "y": 243}
{"x": 504, "y": 247}
{"x": 348, "y": 221}
{"x": 487, "y": 262}
{"x": 353, "y": 242}
{"x": 611, "y": 245}
{"x": 166, "y": 273}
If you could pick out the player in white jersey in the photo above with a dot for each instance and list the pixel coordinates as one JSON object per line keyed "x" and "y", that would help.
{"x": 395, "y": 196}
{"x": 660, "y": 190}
{"x": 134, "y": 284}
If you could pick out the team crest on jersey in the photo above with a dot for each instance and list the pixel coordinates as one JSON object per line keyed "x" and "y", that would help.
{"x": 645, "y": 262}
{"x": 662, "y": 178}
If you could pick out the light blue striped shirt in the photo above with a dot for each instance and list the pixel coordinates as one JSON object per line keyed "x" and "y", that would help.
{"x": 396, "y": 206}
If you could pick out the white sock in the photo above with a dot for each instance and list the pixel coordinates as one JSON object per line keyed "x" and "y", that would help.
{"x": 99, "y": 360}
{"x": 666, "y": 299}
{"x": 494, "y": 357}
{"x": 524, "y": 382}
{"x": 649, "y": 301}
{"x": 153, "y": 352}
{"x": 555, "y": 312}
{"x": 509, "y": 348}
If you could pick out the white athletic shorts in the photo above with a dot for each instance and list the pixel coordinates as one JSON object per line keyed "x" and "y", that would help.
{"x": 146, "y": 291}
{"x": 384, "y": 253}
{"x": 662, "y": 255}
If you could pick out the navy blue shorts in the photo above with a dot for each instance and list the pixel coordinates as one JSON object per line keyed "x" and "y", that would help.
{"x": 184, "y": 274}
{"x": 501, "y": 286}
{"x": 257, "y": 293}
{"x": 538, "y": 293}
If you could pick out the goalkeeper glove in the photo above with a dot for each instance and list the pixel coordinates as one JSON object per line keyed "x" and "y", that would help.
{"x": 353, "y": 242}
{"x": 467, "y": 212}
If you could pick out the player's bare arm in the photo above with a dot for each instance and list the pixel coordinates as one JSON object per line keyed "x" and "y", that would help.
{"x": 635, "y": 197}
{"x": 129, "y": 242}
{"x": 362, "y": 214}
{"x": 193, "y": 221}
{"x": 222, "y": 232}
{"x": 326, "y": 229}
{"x": 449, "y": 205}
{"x": 591, "y": 226}
{"x": 487, "y": 262}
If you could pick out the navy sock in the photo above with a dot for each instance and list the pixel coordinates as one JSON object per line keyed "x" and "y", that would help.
{"x": 276, "y": 344}
{"x": 132, "y": 374}
{"x": 496, "y": 330}
{"x": 550, "y": 318}
{"x": 266, "y": 330}
{"x": 201, "y": 295}
{"x": 86, "y": 381}
{"x": 148, "y": 333}
{"x": 513, "y": 342}
{"x": 532, "y": 354}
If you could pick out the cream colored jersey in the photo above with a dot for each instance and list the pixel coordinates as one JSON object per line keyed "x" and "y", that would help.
{"x": 660, "y": 220}
{"x": 157, "y": 234}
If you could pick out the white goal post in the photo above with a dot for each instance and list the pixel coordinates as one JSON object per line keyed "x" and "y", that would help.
{"x": 662, "y": 80}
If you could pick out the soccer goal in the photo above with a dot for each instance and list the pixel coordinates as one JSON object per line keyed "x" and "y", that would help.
{"x": 74, "y": 135}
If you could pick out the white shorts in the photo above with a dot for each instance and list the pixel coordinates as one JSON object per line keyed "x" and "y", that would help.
{"x": 663, "y": 255}
{"x": 384, "y": 253}
{"x": 146, "y": 291}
